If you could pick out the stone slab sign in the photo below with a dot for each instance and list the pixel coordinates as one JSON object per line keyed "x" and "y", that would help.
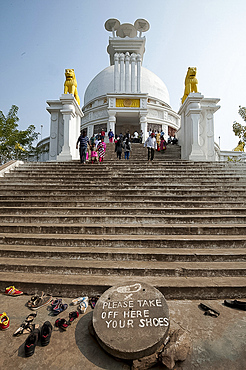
{"x": 131, "y": 320}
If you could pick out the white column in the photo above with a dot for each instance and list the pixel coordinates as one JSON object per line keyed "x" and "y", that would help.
{"x": 116, "y": 72}
{"x": 65, "y": 154}
{"x": 127, "y": 73}
{"x": 133, "y": 72}
{"x": 54, "y": 131}
{"x": 188, "y": 134}
{"x": 122, "y": 72}
{"x": 139, "y": 73}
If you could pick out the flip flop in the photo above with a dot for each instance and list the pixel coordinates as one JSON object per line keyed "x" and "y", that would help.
{"x": 62, "y": 324}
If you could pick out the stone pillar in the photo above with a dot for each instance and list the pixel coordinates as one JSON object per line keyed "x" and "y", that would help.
{"x": 127, "y": 73}
{"x": 56, "y": 121}
{"x": 65, "y": 128}
{"x": 133, "y": 72}
{"x": 65, "y": 154}
{"x": 196, "y": 134}
{"x": 209, "y": 107}
{"x": 139, "y": 73}
{"x": 122, "y": 72}
{"x": 143, "y": 126}
{"x": 116, "y": 72}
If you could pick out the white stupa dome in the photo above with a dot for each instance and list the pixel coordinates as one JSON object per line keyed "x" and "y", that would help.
{"x": 103, "y": 84}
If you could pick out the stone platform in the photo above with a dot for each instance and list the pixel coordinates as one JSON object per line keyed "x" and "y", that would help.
{"x": 218, "y": 343}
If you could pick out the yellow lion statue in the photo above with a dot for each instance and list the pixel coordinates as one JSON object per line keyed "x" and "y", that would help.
{"x": 240, "y": 147}
{"x": 190, "y": 82}
{"x": 70, "y": 85}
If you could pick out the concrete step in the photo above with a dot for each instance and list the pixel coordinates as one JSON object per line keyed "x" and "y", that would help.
{"x": 105, "y": 193}
{"x": 122, "y": 268}
{"x": 169, "y": 168}
{"x": 159, "y": 204}
{"x": 176, "y": 224}
{"x": 91, "y": 285}
{"x": 128, "y": 197}
{"x": 124, "y": 241}
{"x": 124, "y": 254}
{"x": 125, "y": 229}
{"x": 109, "y": 219}
{"x": 113, "y": 185}
{"x": 122, "y": 209}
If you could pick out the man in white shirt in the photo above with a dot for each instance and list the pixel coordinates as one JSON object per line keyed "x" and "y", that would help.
{"x": 152, "y": 146}
{"x": 135, "y": 137}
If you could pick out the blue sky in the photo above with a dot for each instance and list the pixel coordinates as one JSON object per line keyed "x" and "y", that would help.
{"x": 39, "y": 39}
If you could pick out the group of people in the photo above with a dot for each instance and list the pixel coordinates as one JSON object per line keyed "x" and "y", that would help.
{"x": 91, "y": 150}
{"x": 123, "y": 143}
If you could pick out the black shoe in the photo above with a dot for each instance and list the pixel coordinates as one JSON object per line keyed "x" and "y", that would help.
{"x": 31, "y": 342}
{"x": 235, "y": 304}
{"x": 45, "y": 333}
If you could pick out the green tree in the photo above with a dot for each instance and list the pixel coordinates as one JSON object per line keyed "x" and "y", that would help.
{"x": 238, "y": 129}
{"x": 14, "y": 143}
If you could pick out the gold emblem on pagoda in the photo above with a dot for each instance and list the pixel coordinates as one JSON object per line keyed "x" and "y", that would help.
{"x": 128, "y": 103}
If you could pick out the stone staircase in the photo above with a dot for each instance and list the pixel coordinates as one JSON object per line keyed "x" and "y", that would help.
{"x": 73, "y": 230}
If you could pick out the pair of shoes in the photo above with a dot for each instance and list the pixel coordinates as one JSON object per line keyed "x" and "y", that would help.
{"x": 27, "y": 327}
{"x": 12, "y": 291}
{"x": 83, "y": 305}
{"x": 32, "y": 300}
{"x": 63, "y": 324}
{"x": 57, "y": 306}
{"x": 209, "y": 310}
{"x": 235, "y": 304}
{"x": 39, "y": 302}
{"x": 93, "y": 301}
{"x": 77, "y": 300}
{"x": 4, "y": 321}
{"x": 44, "y": 335}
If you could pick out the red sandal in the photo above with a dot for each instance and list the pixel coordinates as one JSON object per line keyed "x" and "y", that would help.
{"x": 62, "y": 324}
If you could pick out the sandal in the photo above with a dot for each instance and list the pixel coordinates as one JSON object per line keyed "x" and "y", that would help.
{"x": 83, "y": 305}
{"x": 31, "y": 317}
{"x": 41, "y": 301}
{"x": 72, "y": 316}
{"x": 25, "y": 328}
{"x": 32, "y": 300}
{"x": 55, "y": 304}
{"x": 58, "y": 309}
{"x": 62, "y": 324}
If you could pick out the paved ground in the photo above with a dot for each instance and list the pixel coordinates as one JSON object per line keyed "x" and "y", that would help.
{"x": 218, "y": 343}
